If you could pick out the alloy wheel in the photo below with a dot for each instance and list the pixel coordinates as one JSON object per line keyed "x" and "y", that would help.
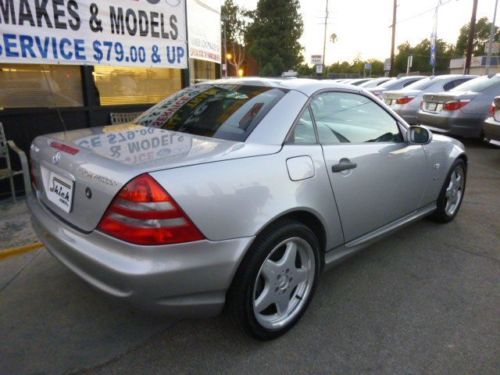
{"x": 283, "y": 283}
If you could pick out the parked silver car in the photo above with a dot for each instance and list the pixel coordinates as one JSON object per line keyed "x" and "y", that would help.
{"x": 462, "y": 110}
{"x": 237, "y": 193}
{"x": 406, "y": 102}
{"x": 394, "y": 84}
{"x": 491, "y": 126}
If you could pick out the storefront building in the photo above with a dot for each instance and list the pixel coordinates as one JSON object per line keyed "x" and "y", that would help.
{"x": 73, "y": 63}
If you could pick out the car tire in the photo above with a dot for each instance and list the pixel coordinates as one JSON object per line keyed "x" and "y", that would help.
{"x": 452, "y": 193}
{"x": 276, "y": 281}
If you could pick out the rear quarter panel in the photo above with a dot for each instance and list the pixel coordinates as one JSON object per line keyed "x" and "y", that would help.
{"x": 238, "y": 198}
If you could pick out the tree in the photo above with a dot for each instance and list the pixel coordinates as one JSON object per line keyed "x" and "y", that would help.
{"x": 421, "y": 55}
{"x": 235, "y": 23}
{"x": 481, "y": 35}
{"x": 304, "y": 70}
{"x": 356, "y": 68}
{"x": 273, "y": 36}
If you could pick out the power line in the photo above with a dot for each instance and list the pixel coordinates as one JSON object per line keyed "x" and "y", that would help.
{"x": 422, "y": 13}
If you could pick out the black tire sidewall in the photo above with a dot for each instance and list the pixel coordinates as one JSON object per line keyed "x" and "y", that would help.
{"x": 440, "y": 213}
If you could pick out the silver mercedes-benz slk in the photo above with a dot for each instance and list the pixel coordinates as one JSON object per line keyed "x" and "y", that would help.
{"x": 237, "y": 193}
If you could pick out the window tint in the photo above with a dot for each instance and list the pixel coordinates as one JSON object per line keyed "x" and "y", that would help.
{"x": 422, "y": 84}
{"x": 352, "y": 118}
{"x": 220, "y": 111}
{"x": 478, "y": 84}
{"x": 303, "y": 133}
{"x": 454, "y": 83}
{"x": 411, "y": 81}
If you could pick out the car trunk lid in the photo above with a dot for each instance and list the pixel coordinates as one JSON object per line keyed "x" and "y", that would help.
{"x": 390, "y": 97}
{"x": 435, "y": 102}
{"x": 79, "y": 172}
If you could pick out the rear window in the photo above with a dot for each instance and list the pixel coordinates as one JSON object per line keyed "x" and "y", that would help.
{"x": 220, "y": 111}
{"x": 478, "y": 84}
{"x": 397, "y": 83}
{"x": 423, "y": 84}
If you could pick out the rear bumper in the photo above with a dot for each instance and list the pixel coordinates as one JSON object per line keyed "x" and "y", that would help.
{"x": 468, "y": 127}
{"x": 491, "y": 131}
{"x": 184, "y": 280}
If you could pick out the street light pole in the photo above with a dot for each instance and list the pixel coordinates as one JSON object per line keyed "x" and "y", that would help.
{"x": 470, "y": 41}
{"x": 393, "y": 38}
{"x": 324, "y": 36}
{"x": 490, "y": 40}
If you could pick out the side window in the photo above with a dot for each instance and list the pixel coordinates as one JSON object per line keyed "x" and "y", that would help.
{"x": 352, "y": 118}
{"x": 303, "y": 133}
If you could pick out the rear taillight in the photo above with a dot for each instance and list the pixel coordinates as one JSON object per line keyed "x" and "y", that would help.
{"x": 455, "y": 105}
{"x": 64, "y": 148}
{"x": 404, "y": 99}
{"x": 144, "y": 213}
{"x": 492, "y": 109}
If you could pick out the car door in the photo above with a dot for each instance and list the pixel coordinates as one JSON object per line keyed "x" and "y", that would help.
{"x": 376, "y": 176}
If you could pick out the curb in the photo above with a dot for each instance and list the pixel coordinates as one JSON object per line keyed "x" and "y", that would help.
{"x": 13, "y": 251}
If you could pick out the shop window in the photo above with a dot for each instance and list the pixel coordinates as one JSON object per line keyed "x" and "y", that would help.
{"x": 23, "y": 86}
{"x": 202, "y": 70}
{"x": 122, "y": 85}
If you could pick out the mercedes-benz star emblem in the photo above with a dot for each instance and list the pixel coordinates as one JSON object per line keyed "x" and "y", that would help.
{"x": 56, "y": 157}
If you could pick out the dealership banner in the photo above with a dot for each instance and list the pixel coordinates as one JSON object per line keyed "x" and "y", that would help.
{"x": 146, "y": 33}
{"x": 204, "y": 30}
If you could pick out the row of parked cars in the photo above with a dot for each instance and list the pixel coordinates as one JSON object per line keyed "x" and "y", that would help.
{"x": 455, "y": 104}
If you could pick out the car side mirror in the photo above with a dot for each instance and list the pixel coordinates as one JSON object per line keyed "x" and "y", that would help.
{"x": 419, "y": 135}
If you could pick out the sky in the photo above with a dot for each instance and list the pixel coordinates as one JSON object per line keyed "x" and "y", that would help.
{"x": 362, "y": 26}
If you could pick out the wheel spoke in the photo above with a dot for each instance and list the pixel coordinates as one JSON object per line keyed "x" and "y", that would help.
{"x": 282, "y": 301}
{"x": 300, "y": 275}
{"x": 270, "y": 269}
{"x": 288, "y": 259}
{"x": 265, "y": 299}
{"x": 449, "y": 192}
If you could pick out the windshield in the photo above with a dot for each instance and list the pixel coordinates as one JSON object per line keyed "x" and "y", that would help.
{"x": 214, "y": 110}
{"x": 478, "y": 84}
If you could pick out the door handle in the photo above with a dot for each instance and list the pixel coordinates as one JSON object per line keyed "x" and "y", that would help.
{"x": 343, "y": 165}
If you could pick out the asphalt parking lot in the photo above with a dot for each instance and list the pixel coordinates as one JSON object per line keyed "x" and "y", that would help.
{"x": 424, "y": 301}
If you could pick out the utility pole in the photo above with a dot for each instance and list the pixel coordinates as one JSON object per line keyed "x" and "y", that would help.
{"x": 324, "y": 36}
{"x": 393, "y": 40}
{"x": 470, "y": 41}
{"x": 490, "y": 41}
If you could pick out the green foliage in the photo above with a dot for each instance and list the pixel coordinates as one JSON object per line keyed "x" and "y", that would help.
{"x": 421, "y": 55}
{"x": 305, "y": 70}
{"x": 481, "y": 36}
{"x": 356, "y": 68}
{"x": 273, "y": 36}
{"x": 235, "y": 22}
